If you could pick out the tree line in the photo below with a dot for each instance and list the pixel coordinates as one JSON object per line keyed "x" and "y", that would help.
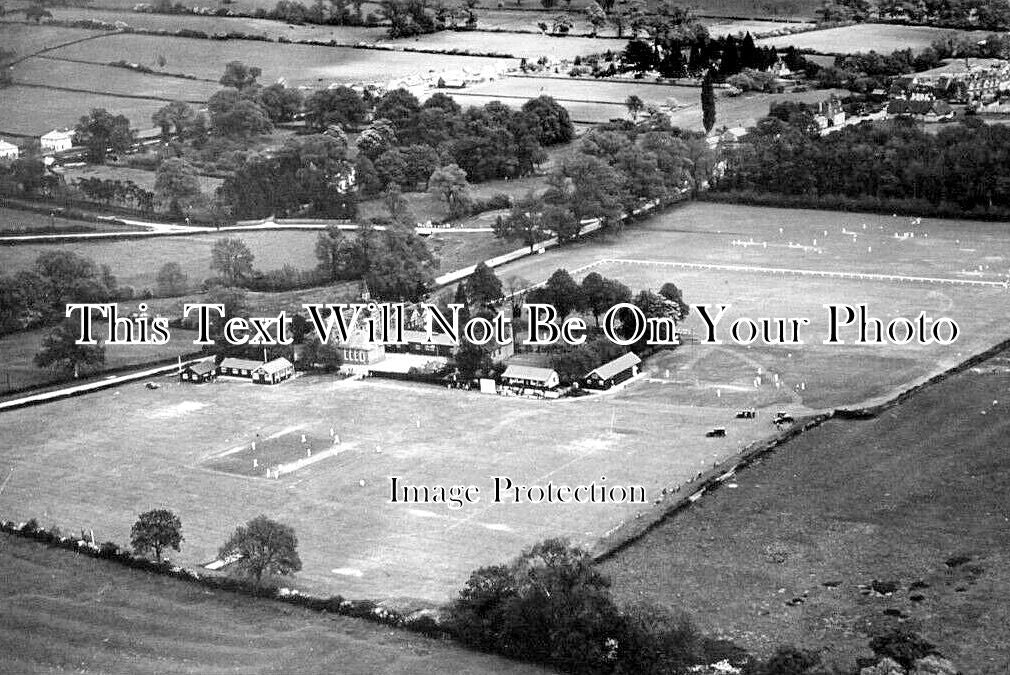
{"x": 962, "y": 167}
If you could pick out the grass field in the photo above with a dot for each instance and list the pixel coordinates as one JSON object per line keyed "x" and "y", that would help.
{"x": 112, "y": 80}
{"x": 652, "y": 434}
{"x": 63, "y": 613}
{"x": 889, "y": 499}
{"x": 16, "y": 221}
{"x": 57, "y": 109}
{"x": 297, "y": 64}
{"x": 136, "y": 263}
{"x": 883, "y": 38}
{"x": 25, "y": 40}
{"x": 141, "y": 177}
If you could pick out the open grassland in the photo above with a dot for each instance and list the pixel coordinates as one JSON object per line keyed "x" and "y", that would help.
{"x": 62, "y": 612}
{"x": 17, "y": 222}
{"x": 865, "y": 37}
{"x": 568, "y": 90}
{"x": 51, "y": 109}
{"x": 297, "y": 64}
{"x": 744, "y": 111}
{"x": 892, "y": 499}
{"x": 25, "y": 40}
{"x": 136, "y": 262}
{"x": 112, "y": 80}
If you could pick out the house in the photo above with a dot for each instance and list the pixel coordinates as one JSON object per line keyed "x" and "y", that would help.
{"x": 732, "y": 136}
{"x": 614, "y": 372}
{"x": 417, "y": 343}
{"x": 202, "y": 371}
{"x": 238, "y": 367}
{"x": 273, "y": 371}
{"x": 8, "y": 150}
{"x": 930, "y": 111}
{"x": 359, "y": 350}
{"x": 57, "y": 141}
{"x": 530, "y": 377}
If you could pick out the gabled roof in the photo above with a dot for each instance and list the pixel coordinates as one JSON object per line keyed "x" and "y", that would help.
{"x": 421, "y": 337}
{"x": 203, "y": 367}
{"x": 277, "y": 365}
{"x": 529, "y": 373}
{"x": 240, "y": 364}
{"x": 5, "y": 145}
{"x": 57, "y": 133}
{"x": 623, "y": 362}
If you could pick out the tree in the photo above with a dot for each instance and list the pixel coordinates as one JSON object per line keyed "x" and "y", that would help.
{"x": 155, "y": 531}
{"x": 232, "y": 260}
{"x": 332, "y": 248}
{"x": 602, "y": 293}
{"x": 280, "y": 103}
{"x": 171, "y": 280}
{"x": 596, "y": 16}
{"x": 562, "y": 292}
{"x": 264, "y": 546}
{"x": 61, "y": 352}
{"x": 101, "y": 131}
{"x": 420, "y": 161}
{"x": 483, "y": 287}
{"x": 639, "y": 55}
{"x": 635, "y": 106}
{"x": 177, "y": 114}
{"x": 399, "y": 107}
{"x": 553, "y": 121}
{"x": 176, "y": 184}
{"x": 449, "y": 184}
{"x": 525, "y": 221}
{"x": 340, "y": 105}
{"x": 670, "y": 291}
{"x": 234, "y": 115}
{"x": 239, "y": 76}
{"x": 707, "y": 103}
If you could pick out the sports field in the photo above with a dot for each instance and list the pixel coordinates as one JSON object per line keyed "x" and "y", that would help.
{"x": 155, "y": 448}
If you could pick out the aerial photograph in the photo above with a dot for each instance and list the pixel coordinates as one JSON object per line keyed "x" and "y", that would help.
{"x": 604, "y": 337}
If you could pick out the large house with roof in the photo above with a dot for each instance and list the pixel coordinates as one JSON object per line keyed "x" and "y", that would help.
{"x": 273, "y": 372}
{"x": 532, "y": 378}
{"x": 57, "y": 140}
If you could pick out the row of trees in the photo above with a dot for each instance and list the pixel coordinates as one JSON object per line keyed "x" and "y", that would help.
{"x": 615, "y": 169}
{"x": 963, "y": 166}
{"x": 260, "y": 547}
{"x": 725, "y": 56}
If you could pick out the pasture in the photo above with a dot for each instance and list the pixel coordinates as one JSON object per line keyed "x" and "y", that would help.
{"x": 91, "y": 615}
{"x": 57, "y": 109}
{"x": 895, "y": 498}
{"x": 136, "y": 262}
{"x": 25, "y": 40}
{"x": 297, "y": 64}
{"x": 865, "y": 37}
{"x": 106, "y": 79}
{"x": 142, "y": 177}
{"x": 18, "y": 222}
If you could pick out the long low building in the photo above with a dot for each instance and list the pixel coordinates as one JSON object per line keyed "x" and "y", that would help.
{"x": 612, "y": 373}
{"x": 530, "y": 377}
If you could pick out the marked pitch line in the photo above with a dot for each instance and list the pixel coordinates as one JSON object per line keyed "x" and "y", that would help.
{"x": 806, "y": 273}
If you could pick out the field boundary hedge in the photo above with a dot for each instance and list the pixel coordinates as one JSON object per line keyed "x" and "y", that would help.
{"x": 679, "y": 499}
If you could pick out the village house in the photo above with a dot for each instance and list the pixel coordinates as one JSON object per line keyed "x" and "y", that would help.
{"x": 57, "y": 141}
{"x": 358, "y": 350}
{"x": 202, "y": 371}
{"x": 274, "y": 371}
{"x": 523, "y": 379}
{"x": 612, "y": 373}
{"x": 8, "y": 151}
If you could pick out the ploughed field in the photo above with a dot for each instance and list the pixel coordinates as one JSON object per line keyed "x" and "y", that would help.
{"x": 914, "y": 499}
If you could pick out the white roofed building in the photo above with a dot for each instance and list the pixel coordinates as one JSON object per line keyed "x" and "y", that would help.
{"x": 8, "y": 151}
{"x": 57, "y": 140}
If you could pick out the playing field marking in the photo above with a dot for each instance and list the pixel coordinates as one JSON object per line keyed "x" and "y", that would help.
{"x": 804, "y": 273}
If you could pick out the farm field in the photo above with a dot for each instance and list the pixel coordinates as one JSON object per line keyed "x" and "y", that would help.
{"x": 136, "y": 262}
{"x": 745, "y": 111}
{"x": 574, "y": 89}
{"x": 51, "y": 110}
{"x": 142, "y": 177}
{"x": 52, "y": 601}
{"x": 883, "y": 38}
{"x": 897, "y": 498}
{"x": 24, "y": 40}
{"x": 16, "y": 221}
{"x": 297, "y": 64}
{"x": 106, "y": 79}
